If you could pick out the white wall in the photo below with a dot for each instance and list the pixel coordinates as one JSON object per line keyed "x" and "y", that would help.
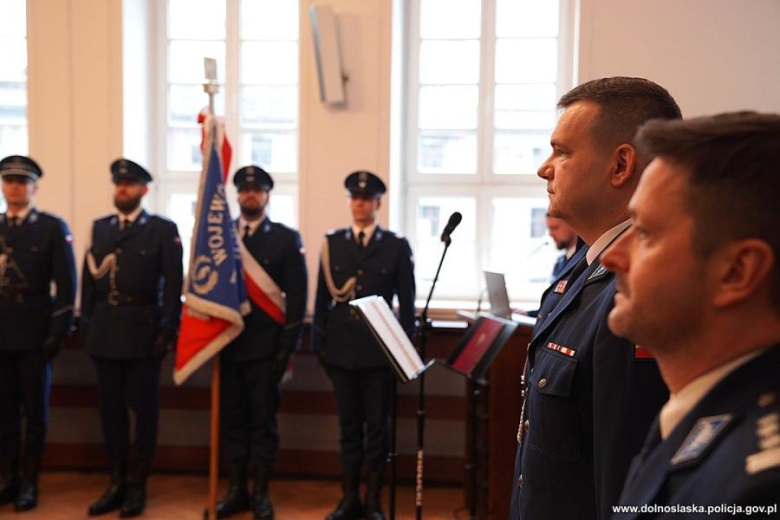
{"x": 712, "y": 55}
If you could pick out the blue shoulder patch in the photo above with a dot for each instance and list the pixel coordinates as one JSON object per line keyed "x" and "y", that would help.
{"x": 703, "y": 433}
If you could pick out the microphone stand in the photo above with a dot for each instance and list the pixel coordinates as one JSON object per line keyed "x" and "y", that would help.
{"x": 422, "y": 334}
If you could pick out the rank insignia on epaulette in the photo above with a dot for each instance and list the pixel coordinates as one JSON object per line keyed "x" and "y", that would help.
{"x": 560, "y": 348}
{"x": 768, "y": 433}
{"x": 703, "y": 433}
{"x": 601, "y": 270}
{"x": 560, "y": 288}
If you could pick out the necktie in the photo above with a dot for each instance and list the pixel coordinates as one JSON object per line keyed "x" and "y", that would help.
{"x": 125, "y": 224}
{"x": 246, "y": 232}
{"x": 14, "y": 221}
{"x": 361, "y": 239}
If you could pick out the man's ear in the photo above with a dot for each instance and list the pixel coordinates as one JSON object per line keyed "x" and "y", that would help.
{"x": 624, "y": 165}
{"x": 741, "y": 270}
{"x": 144, "y": 189}
{"x": 378, "y": 202}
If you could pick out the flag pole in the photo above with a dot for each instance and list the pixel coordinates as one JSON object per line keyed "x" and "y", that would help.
{"x": 211, "y": 88}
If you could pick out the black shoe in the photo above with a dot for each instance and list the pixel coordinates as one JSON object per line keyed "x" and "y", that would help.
{"x": 235, "y": 501}
{"x": 261, "y": 504}
{"x": 134, "y": 502}
{"x": 111, "y": 500}
{"x": 349, "y": 507}
{"x": 27, "y": 498}
{"x": 374, "y": 496}
{"x": 9, "y": 480}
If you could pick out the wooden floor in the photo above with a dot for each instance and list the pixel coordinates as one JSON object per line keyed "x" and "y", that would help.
{"x": 65, "y": 496}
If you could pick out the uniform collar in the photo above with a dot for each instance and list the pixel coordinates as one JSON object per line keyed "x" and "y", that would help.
{"x": 131, "y": 217}
{"x": 253, "y": 225}
{"x": 604, "y": 240}
{"x": 21, "y": 215}
{"x": 681, "y": 403}
{"x": 368, "y": 231}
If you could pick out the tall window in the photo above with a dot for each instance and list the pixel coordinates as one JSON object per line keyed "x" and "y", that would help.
{"x": 13, "y": 78}
{"x": 255, "y": 43}
{"x": 484, "y": 78}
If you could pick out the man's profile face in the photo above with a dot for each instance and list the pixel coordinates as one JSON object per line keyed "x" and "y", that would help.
{"x": 563, "y": 236}
{"x": 18, "y": 190}
{"x": 661, "y": 282}
{"x": 576, "y": 172}
{"x": 364, "y": 207}
{"x": 252, "y": 200}
{"x": 128, "y": 195}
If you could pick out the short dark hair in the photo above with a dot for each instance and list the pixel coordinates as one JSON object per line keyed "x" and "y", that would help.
{"x": 733, "y": 166}
{"x": 625, "y": 104}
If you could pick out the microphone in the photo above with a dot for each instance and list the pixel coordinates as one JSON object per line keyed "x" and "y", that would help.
{"x": 452, "y": 223}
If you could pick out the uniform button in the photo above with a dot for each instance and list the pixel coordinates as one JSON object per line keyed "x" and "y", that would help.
{"x": 527, "y": 425}
{"x": 119, "y": 250}
{"x": 543, "y": 382}
{"x": 520, "y": 481}
{"x": 359, "y": 272}
{"x": 359, "y": 287}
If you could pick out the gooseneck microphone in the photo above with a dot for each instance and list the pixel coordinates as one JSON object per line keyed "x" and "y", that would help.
{"x": 452, "y": 223}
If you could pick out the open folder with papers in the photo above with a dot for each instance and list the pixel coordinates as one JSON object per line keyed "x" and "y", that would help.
{"x": 391, "y": 337}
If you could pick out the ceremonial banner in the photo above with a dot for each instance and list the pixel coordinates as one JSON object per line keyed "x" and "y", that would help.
{"x": 214, "y": 291}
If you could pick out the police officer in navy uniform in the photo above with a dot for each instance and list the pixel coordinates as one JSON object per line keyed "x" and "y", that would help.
{"x": 589, "y": 395}
{"x": 698, "y": 280}
{"x": 358, "y": 261}
{"x": 35, "y": 250}
{"x": 130, "y": 307}
{"x": 253, "y": 364}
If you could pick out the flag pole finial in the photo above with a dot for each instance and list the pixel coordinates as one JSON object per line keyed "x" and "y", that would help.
{"x": 210, "y": 87}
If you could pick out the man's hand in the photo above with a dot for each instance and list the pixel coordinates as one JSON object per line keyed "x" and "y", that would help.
{"x": 51, "y": 347}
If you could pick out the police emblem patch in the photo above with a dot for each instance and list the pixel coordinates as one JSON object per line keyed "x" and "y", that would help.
{"x": 601, "y": 270}
{"x": 703, "y": 433}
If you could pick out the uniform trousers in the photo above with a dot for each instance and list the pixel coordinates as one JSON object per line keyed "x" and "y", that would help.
{"x": 123, "y": 385}
{"x": 249, "y": 400}
{"x": 364, "y": 396}
{"x": 25, "y": 381}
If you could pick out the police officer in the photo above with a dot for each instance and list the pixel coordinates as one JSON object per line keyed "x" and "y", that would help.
{"x": 358, "y": 261}
{"x": 130, "y": 306}
{"x": 589, "y": 395}
{"x": 698, "y": 280}
{"x": 253, "y": 364}
{"x": 35, "y": 250}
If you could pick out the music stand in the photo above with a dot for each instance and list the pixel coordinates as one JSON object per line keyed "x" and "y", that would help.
{"x": 474, "y": 354}
{"x": 403, "y": 357}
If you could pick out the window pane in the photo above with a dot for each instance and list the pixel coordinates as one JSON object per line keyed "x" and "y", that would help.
{"x": 449, "y": 62}
{"x": 281, "y": 208}
{"x": 13, "y": 59}
{"x": 186, "y": 101}
{"x": 13, "y": 140}
{"x": 459, "y": 272}
{"x": 525, "y": 106}
{"x": 448, "y": 107}
{"x": 185, "y": 64}
{"x": 274, "y": 63}
{"x": 13, "y": 18}
{"x": 269, "y": 19}
{"x": 273, "y": 151}
{"x": 528, "y": 257}
{"x": 462, "y": 18}
{"x": 447, "y": 152}
{"x": 520, "y": 154}
{"x": 181, "y": 209}
{"x": 269, "y": 105}
{"x": 184, "y": 150}
{"x": 197, "y": 19}
{"x": 13, "y": 103}
{"x": 531, "y": 60}
{"x": 516, "y": 18}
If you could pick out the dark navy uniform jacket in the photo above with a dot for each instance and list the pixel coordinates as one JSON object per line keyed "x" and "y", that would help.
{"x": 38, "y": 251}
{"x": 384, "y": 268}
{"x": 725, "y": 451}
{"x": 590, "y": 399}
{"x": 121, "y": 321}
{"x": 279, "y": 251}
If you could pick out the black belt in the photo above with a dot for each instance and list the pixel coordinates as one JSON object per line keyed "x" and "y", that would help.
{"x": 120, "y": 299}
